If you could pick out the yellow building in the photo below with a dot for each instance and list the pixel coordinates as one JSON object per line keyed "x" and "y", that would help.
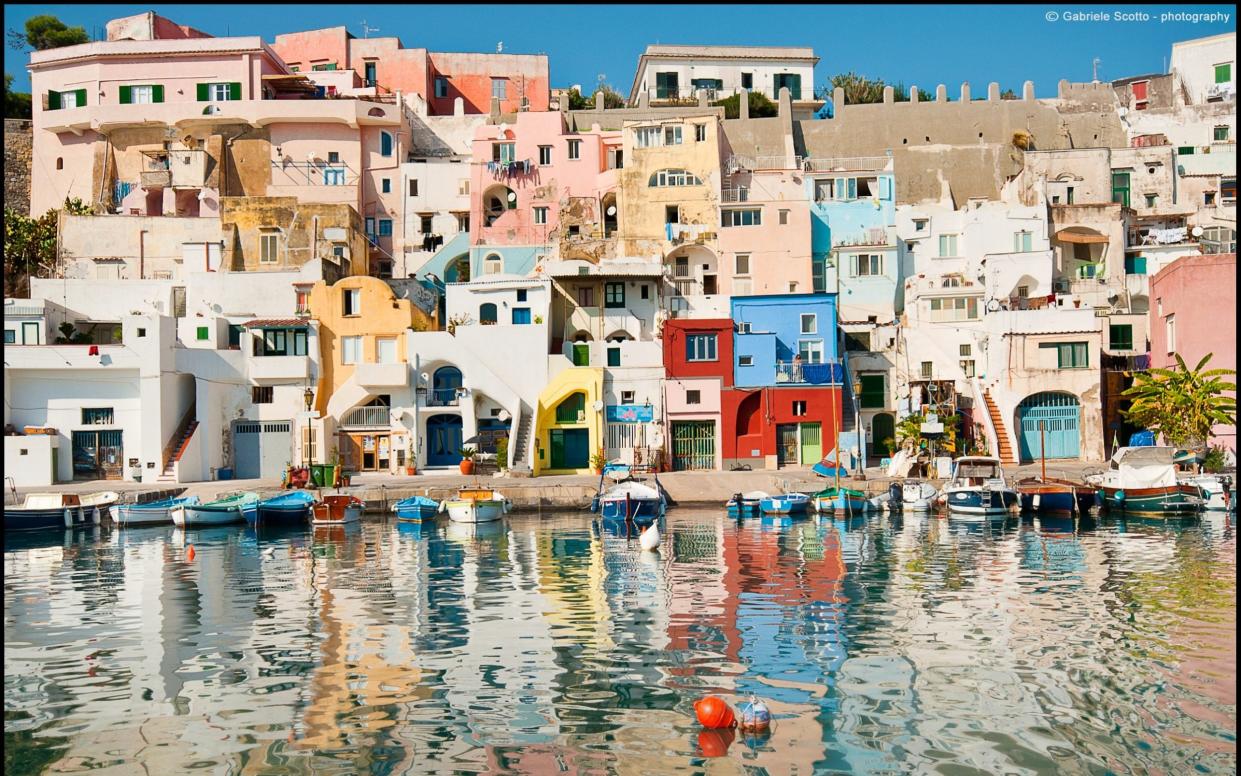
{"x": 569, "y": 422}
{"x": 365, "y": 377}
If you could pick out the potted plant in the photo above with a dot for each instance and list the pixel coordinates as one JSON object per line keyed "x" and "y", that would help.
{"x": 598, "y": 461}
{"x": 502, "y": 453}
{"x": 467, "y": 459}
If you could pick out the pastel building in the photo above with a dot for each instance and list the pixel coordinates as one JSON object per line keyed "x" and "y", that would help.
{"x": 698, "y": 354}
{"x": 668, "y": 74}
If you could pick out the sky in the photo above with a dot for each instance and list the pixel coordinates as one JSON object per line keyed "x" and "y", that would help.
{"x": 917, "y": 45}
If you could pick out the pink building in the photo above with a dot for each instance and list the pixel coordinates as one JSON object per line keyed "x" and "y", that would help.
{"x": 1193, "y": 313}
{"x": 518, "y": 81}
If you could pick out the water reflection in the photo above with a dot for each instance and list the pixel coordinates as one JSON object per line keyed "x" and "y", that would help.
{"x": 881, "y": 644}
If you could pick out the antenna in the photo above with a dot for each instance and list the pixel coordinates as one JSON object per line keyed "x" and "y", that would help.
{"x": 367, "y": 30}
{"x": 500, "y": 47}
{"x": 1094, "y": 66}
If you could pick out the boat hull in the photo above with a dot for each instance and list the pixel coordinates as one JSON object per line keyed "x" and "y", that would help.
{"x": 474, "y": 511}
{"x": 980, "y": 503}
{"x": 744, "y": 509}
{"x": 781, "y": 505}
{"x": 1170, "y": 500}
{"x": 416, "y": 513}
{"x": 132, "y": 515}
{"x": 1053, "y": 499}
{"x": 201, "y": 515}
{"x": 842, "y": 505}
{"x": 635, "y": 509}
{"x": 18, "y": 519}
{"x": 350, "y": 514}
{"x": 283, "y": 513}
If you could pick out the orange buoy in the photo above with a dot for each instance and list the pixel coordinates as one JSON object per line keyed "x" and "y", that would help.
{"x": 715, "y": 743}
{"x": 189, "y": 554}
{"x": 714, "y": 713}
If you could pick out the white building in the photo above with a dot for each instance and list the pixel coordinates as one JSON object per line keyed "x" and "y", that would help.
{"x": 667, "y": 73}
{"x": 1207, "y": 67}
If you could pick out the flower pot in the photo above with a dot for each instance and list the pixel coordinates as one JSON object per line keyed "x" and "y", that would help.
{"x": 410, "y": 471}
{"x": 467, "y": 466}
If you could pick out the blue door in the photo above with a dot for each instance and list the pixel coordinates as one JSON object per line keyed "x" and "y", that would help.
{"x": 443, "y": 440}
{"x": 1060, "y": 416}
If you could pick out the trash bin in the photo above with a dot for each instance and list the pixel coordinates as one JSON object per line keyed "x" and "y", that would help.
{"x": 316, "y": 474}
{"x": 225, "y": 473}
{"x": 329, "y": 475}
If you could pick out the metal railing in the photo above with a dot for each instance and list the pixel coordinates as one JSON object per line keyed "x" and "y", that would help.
{"x": 737, "y": 163}
{"x": 825, "y": 373}
{"x": 739, "y": 194}
{"x": 442, "y": 397}
{"x": 367, "y": 417}
{"x": 847, "y": 164}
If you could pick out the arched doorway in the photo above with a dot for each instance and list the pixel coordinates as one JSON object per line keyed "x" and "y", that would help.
{"x": 458, "y": 270}
{"x": 497, "y": 200}
{"x": 444, "y": 385}
{"x": 443, "y": 440}
{"x": 882, "y": 428}
{"x": 487, "y": 313}
{"x": 1060, "y": 417}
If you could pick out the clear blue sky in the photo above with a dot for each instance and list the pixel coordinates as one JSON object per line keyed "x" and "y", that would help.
{"x": 918, "y": 45}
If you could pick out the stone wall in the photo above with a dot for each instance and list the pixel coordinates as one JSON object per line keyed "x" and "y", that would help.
{"x": 18, "y": 155}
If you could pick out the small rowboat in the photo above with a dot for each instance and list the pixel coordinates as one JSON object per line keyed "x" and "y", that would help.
{"x": 42, "y": 511}
{"x": 785, "y": 504}
{"x": 338, "y": 510}
{"x": 476, "y": 505}
{"x": 233, "y": 509}
{"x": 415, "y": 509}
{"x": 152, "y": 512}
{"x": 841, "y": 501}
{"x": 630, "y": 500}
{"x": 1053, "y": 496}
{"x": 746, "y": 504}
{"x": 294, "y": 507}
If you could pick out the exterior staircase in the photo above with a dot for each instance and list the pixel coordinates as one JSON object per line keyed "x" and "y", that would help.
{"x": 522, "y": 443}
{"x": 1001, "y": 433}
{"x": 176, "y": 447}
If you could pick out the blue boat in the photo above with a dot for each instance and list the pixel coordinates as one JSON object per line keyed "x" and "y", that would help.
{"x": 152, "y": 512}
{"x": 746, "y": 504}
{"x": 415, "y": 509}
{"x": 293, "y": 507}
{"x": 785, "y": 504}
{"x": 58, "y": 511}
{"x": 631, "y": 500}
{"x": 1055, "y": 497}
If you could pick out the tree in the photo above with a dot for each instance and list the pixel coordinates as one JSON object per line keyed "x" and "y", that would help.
{"x": 47, "y": 32}
{"x": 760, "y": 106}
{"x": 611, "y": 99}
{"x": 16, "y": 104}
{"x": 30, "y": 246}
{"x": 860, "y": 90}
{"x": 1182, "y": 404}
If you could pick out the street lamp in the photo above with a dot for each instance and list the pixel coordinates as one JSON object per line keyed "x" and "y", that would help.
{"x": 857, "y": 423}
{"x": 309, "y": 398}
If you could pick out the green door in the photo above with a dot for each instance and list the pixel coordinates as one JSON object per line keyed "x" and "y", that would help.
{"x": 811, "y": 444}
{"x": 882, "y": 428}
{"x": 1120, "y": 188}
{"x": 581, "y": 354}
{"x": 570, "y": 448}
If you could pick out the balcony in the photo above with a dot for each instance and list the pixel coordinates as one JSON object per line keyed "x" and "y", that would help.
{"x": 848, "y": 164}
{"x": 688, "y": 305}
{"x": 155, "y": 179}
{"x": 367, "y": 417}
{"x": 65, "y": 357}
{"x": 442, "y": 397}
{"x": 351, "y": 113}
{"x": 738, "y": 163}
{"x": 382, "y": 375}
{"x": 828, "y": 373}
{"x": 265, "y": 370}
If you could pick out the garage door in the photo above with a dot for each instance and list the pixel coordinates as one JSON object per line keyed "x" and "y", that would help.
{"x": 693, "y": 445}
{"x": 262, "y": 449}
{"x": 1060, "y": 416}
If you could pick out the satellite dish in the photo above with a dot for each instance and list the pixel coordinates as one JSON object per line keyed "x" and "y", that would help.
{"x": 512, "y": 196}
{"x": 598, "y": 405}
{"x": 993, "y": 305}
{"x": 1197, "y": 231}
{"x": 612, "y": 212}
{"x": 426, "y": 378}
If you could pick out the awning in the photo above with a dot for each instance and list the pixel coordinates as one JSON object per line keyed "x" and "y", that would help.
{"x": 276, "y": 323}
{"x": 1080, "y": 235}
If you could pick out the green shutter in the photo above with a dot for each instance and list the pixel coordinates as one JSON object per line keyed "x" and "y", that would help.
{"x": 127, "y": 94}
{"x": 53, "y": 100}
{"x": 234, "y": 90}
{"x": 204, "y": 92}
{"x": 81, "y": 94}
{"x": 157, "y": 93}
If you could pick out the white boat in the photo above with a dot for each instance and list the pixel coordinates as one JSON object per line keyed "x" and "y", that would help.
{"x": 152, "y": 512}
{"x": 226, "y": 511}
{"x": 977, "y": 488}
{"x": 906, "y": 496}
{"x": 476, "y": 505}
{"x": 337, "y": 510}
{"x": 56, "y": 511}
{"x": 1217, "y": 490}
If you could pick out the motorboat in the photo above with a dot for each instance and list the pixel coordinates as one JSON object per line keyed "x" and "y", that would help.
{"x": 785, "y": 504}
{"x": 337, "y": 510}
{"x": 631, "y": 500}
{"x": 1218, "y": 491}
{"x": 840, "y": 501}
{"x": 236, "y": 508}
{"x": 746, "y": 504}
{"x": 910, "y": 495}
{"x": 476, "y": 505}
{"x": 415, "y": 509}
{"x": 977, "y": 487}
{"x": 294, "y": 507}
{"x": 59, "y": 511}
{"x": 1143, "y": 480}
{"x": 1049, "y": 495}
{"x": 152, "y": 512}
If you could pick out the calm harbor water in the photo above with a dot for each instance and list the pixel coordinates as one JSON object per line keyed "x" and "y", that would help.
{"x": 882, "y": 645}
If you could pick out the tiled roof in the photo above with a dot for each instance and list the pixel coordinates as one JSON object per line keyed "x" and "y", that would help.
{"x": 275, "y": 323}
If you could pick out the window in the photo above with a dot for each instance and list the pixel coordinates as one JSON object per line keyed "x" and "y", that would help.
{"x": 499, "y": 88}
{"x": 667, "y": 85}
{"x": 627, "y": 397}
{"x": 1208, "y": 197}
{"x": 1221, "y": 134}
{"x": 811, "y": 351}
{"x": 10, "y": 336}
{"x": 672, "y": 135}
{"x": 220, "y": 92}
{"x": 97, "y": 416}
{"x": 1120, "y": 188}
{"x": 463, "y": 187}
{"x": 867, "y": 265}
{"x": 700, "y": 347}
{"x": 948, "y": 246}
{"x": 385, "y": 227}
{"x": 585, "y": 296}
{"x": 1218, "y": 239}
{"x": 927, "y": 366}
{"x": 503, "y": 153}
{"x": 857, "y": 341}
{"x": 614, "y": 354}
{"x": 521, "y": 316}
{"x": 921, "y": 225}
{"x": 493, "y": 265}
{"x": 142, "y": 95}
{"x": 799, "y": 408}
{"x": 71, "y": 99}
{"x": 823, "y": 190}
{"x": 413, "y": 188}
{"x": 269, "y": 247}
{"x": 385, "y": 350}
{"x": 424, "y": 222}
{"x": 1120, "y": 336}
{"x": 333, "y": 157}
{"x": 965, "y": 350}
{"x": 674, "y": 178}
{"x": 614, "y": 295}
{"x": 203, "y": 333}
{"x": 646, "y": 291}
{"x": 350, "y": 350}
{"x": 1223, "y": 73}
{"x": 1068, "y": 195}
{"x": 385, "y": 186}
{"x": 747, "y": 80}
{"x": 790, "y": 80}
{"x": 742, "y": 263}
{"x": 1169, "y": 327}
{"x": 353, "y": 301}
{"x": 954, "y": 309}
{"x": 748, "y": 217}
{"x": 333, "y": 176}
{"x": 324, "y": 66}
{"x": 1023, "y": 242}
{"x": 262, "y": 394}
{"x": 647, "y": 137}
{"x": 385, "y": 143}
{"x": 967, "y": 367}
{"x": 809, "y": 323}
{"x": 463, "y": 222}
{"x": 1139, "y": 94}
{"x": 700, "y": 133}
{"x": 521, "y": 294}
{"x": 874, "y": 395}
{"x": 693, "y": 397}
{"x": 540, "y": 215}
{"x": 1135, "y": 265}
{"x": 1228, "y": 191}
{"x": 672, "y": 214}
{"x": 441, "y": 87}
{"x": 571, "y": 409}
{"x": 545, "y": 155}
{"x": 1151, "y": 199}
{"x": 1023, "y": 292}
{"x": 575, "y": 149}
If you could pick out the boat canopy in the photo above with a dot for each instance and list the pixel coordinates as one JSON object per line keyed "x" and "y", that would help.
{"x": 1144, "y": 456}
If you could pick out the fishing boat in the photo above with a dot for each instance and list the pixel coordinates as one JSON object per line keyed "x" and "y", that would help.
{"x": 152, "y": 512}
{"x": 293, "y": 507}
{"x": 630, "y": 500}
{"x": 746, "y": 504}
{"x": 1218, "y": 491}
{"x": 59, "y": 511}
{"x": 906, "y": 496}
{"x": 840, "y": 501}
{"x": 1143, "y": 480}
{"x": 235, "y": 508}
{"x": 977, "y": 487}
{"x": 337, "y": 510}
{"x": 785, "y": 504}
{"x": 476, "y": 505}
{"x": 415, "y": 509}
{"x": 1048, "y": 495}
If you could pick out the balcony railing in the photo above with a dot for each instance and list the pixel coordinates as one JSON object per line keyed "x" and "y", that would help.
{"x": 367, "y": 417}
{"x": 737, "y": 163}
{"x": 739, "y": 194}
{"x": 443, "y": 397}
{"x": 827, "y": 373}
{"x": 847, "y": 164}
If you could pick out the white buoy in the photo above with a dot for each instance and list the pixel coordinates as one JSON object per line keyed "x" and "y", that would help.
{"x": 649, "y": 539}
{"x": 68, "y": 518}
{"x": 94, "y": 516}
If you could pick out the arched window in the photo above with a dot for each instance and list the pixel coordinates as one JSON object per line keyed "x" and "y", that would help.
{"x": 487, "y": 313}
{"x": 377, "y": 112}
{"x": 385, "y": 143}
{"x": 444, "y": 385}
{"x": 674, "y": 178}
{"x": 572, "y": 409}
{"x": 60, "y": 163}
{"x": 493, "y": 264}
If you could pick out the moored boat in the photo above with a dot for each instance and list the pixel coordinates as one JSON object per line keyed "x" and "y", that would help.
{"x": 1048, "y": 495}
{"x": 1143, "y": 481}
{"x": 41, "y": 511}
{"x": 152, "y": 512}
{"x": 977, "y": 488}
{"x": 840, "y": 501}
{"x": 785, "y": 504}
{"x": 746, "y": 504}
{"x": 476, "y": 505}
{"x": 293, "y": 507}
{"x": 1217, "y": 491}
{"x": 906, "y": 496}
{"x": 235, "y": 508}
{"x": 415, "y": 509}
{"x": 630, "y": 500}
{"x": 337, "y": 510}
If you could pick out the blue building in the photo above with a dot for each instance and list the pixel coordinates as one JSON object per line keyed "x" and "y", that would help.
{"x": 785, "y": 338}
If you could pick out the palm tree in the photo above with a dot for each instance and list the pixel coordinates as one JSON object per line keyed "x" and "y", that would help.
{"x": 1182, "y": 404}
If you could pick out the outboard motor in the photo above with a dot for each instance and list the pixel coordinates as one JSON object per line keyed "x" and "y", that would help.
{"x": 896, "y": 496}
